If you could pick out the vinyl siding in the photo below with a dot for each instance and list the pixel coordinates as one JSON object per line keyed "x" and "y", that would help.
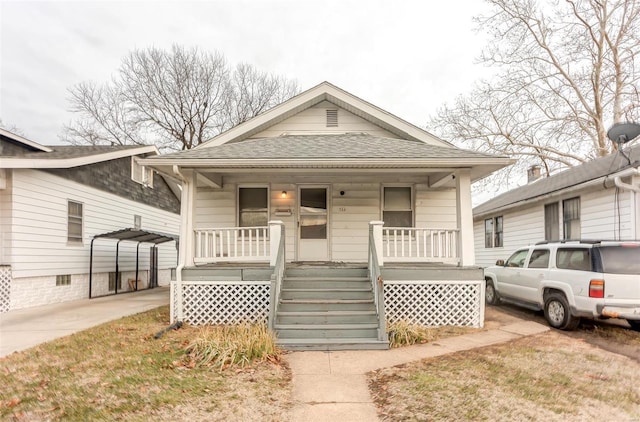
{"x": 349, "y": 214}
{"x": 39, "y": 227}
{"x": 313, "y": 121}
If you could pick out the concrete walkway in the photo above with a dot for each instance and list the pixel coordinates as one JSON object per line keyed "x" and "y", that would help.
{"x": 24, "y": 328}
{"x": 332, "y": 386}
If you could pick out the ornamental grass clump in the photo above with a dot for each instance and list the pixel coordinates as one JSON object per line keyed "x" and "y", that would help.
{"x": 401, "y": 333}
{"x": 224, "y": 346}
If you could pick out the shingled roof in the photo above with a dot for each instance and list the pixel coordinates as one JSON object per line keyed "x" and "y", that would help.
{"x": 333, "y": 147}
{"x": 572, "y": 177}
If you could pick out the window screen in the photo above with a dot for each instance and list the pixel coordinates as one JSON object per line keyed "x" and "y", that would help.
{"x": 551, "y": 223}
{"x": 571, "y": 218}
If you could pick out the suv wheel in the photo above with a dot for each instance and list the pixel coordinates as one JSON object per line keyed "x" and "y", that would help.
{"x": 558, "y": 314}
{"x": 635, "y": 324}
{"x": 490, "y": 294}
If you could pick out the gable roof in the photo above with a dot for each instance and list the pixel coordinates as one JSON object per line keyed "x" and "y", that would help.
{"x": 319, "y": 93}
{"x": 571, "y": 178}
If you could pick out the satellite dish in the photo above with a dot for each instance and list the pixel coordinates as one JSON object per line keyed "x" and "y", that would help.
{"x": 621, "y": 133}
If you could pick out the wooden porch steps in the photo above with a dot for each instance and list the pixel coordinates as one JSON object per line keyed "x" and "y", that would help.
{"x": 325, "y": 308}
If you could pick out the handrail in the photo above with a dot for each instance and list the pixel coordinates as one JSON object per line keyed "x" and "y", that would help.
{"x": 375, "y": 262}
{"x": 231, "y": 244}
{"x": 277, "y": 263}
{"x": 421, "y": 244}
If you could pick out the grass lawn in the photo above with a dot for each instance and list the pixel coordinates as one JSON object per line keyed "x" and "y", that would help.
{"x": 119, "y": 371}
{"x": 550, "y": 376}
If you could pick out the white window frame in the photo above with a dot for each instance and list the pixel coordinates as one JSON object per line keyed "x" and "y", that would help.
{"x": 494, "y": 231}
{"x": 238, "y": 210}
{"x": 141, "y": 174}
{"x": 75, "y": 219}
{"x": 411, "y": 202}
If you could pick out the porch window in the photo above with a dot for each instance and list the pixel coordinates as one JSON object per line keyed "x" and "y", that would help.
{"x": 397, "y": 207}
{"x": 493, "y": 232}
{"x": 571, "y": 218}
{"x": 551, "y": 223}
{"x": 74, "y": 222}
{"x": 253, "y": 207}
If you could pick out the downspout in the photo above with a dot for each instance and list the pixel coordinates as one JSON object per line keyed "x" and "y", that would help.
{"x": 184, "y": 201}
{"x": 627, "y": 186}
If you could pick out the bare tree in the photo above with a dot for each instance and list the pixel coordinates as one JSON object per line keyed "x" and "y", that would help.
{"x": 175, "y": 99}
{"x": 565, "y": 72}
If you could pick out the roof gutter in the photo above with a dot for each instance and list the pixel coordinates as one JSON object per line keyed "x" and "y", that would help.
{"x": 627, "y": 186}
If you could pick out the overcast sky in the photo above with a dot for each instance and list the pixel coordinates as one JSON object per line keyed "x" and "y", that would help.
{"x": 406, "y": 57}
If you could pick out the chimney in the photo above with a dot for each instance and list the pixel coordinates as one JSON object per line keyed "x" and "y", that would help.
{"x": 533, "y": 173}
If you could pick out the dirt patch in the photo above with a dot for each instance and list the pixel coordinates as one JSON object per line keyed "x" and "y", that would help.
{"x": 549, "y": 376}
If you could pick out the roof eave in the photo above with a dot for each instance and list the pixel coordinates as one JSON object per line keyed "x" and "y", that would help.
{"x": 52, "y": 163}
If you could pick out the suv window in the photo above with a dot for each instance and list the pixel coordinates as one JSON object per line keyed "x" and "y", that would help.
{"x": 539, "y": 258}
{"x": 517, "y": 259}
{"x": 620, "y": 259}
{"x": 573, "y": 259}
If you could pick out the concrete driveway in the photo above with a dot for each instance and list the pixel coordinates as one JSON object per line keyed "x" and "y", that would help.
{"x": 24, "y": 328}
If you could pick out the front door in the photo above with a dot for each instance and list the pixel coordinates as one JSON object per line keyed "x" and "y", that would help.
{"x": 313, "y": 224}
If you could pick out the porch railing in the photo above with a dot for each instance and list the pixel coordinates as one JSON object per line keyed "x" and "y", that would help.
{"x": 376, "y": 261}
{"x": 411, "y": 244}
{"x": 231, "y": 244}
{"x": 277, "y": 263}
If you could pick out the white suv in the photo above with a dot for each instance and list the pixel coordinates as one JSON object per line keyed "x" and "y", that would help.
{"x": 571, "y": 279}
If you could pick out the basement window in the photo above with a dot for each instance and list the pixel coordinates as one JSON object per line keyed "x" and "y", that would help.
{"x": 332, "y": 118}
{"x": 63, "y": 280}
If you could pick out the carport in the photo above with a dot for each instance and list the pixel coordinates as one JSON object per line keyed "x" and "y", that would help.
{"x": 139, "y": 237}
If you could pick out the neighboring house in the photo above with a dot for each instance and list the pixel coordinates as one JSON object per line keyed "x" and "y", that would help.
{"x": 55, "y": 199}
{"x": 596, "y": 200}
{"x": 323, "y": 172}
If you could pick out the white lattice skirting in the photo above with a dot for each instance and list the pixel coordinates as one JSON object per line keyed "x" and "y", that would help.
{"x": 5, "y": 288}
{"x": 222, "y": 302}
{"x": 435, "y": 303}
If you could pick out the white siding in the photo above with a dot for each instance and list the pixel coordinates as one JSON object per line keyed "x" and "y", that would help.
{"x": 313, "y": 121}
{"x": 599, "y": 212}
{"x": 5, "y": 220}
{"x": 520, "y": 228}
{"x": 349, "y": 214}
{"x": 39, "y": 227}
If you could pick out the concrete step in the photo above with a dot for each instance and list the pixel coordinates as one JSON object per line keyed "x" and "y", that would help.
{"x": 333, "y": 344}
{"x": 301, "y": 331}
{"x": 329, "y": 294}
{"x": 327, "y": 317}
{"x": 316, "y": 305}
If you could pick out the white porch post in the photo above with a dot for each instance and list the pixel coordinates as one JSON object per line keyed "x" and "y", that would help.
{"x": 185, "y": 252}
{"x": 376, "y": 229}
{"x": 275, "y": 234}
{"x": 464, "y": 216}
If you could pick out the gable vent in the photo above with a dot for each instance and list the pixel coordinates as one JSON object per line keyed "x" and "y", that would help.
{"x": 332, "y": 118}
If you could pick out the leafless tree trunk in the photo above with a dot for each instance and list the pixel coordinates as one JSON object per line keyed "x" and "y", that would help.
{"x": 565, "y": 72}
{"x": 175, "y": 99}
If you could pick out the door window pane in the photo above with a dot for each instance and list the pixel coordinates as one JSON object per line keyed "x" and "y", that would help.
{"x": 313, "y": 213}
{"x": 539, "y": 258}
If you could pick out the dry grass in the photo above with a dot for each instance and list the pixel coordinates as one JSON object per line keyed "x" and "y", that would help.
{"x": 118, "y": 371}
{"x": 401, "y": 333}
{"x": 544, "y": 377}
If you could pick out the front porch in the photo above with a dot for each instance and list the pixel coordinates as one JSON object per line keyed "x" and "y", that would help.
{"x": 412, "y": 274}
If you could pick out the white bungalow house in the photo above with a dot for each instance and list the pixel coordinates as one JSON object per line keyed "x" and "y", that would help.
{"x": 327, "y": 216}
{"x": 54, "y": 200}
{"x": 596, "y": 200}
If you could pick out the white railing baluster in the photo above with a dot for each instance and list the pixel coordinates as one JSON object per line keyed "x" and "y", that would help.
{"x": 410, "y": 244}
{"x": 231, "y": 244}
